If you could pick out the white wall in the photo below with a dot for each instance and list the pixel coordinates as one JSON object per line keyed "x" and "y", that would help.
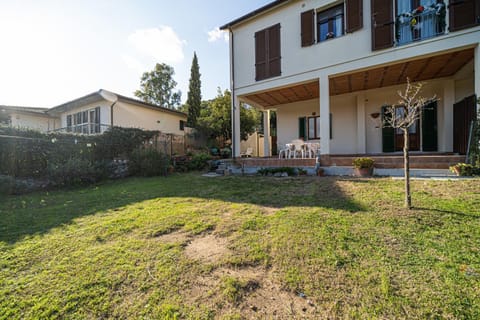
{"x": 133, "y": 116}
{"x": 34, "y": 122}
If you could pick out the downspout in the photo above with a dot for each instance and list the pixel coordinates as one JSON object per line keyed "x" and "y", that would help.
{"x": 111, "y": 114}
{"x": 232, "y": 89}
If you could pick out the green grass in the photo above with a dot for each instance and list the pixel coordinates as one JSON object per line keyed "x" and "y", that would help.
{"x": 347, "y": 244}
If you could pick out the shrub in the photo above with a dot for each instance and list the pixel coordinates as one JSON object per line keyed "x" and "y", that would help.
{"x": 199, "y": 161}
{"x": 148, "y": 162}
{"x": 271, "y": 171}
{"x": 7, "y": 185}
{"x": 363, "y": 163}
{"x": 465, "y": 169}
{"x": 75, "y": 171}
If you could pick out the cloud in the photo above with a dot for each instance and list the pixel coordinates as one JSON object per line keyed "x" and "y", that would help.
{"x": 133, "y": 63}
{"x": 217, "y": 34}
{"x": 162, "y": 44}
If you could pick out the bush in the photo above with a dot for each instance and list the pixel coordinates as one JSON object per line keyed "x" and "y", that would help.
{"x": 199, "y": 161}
{"x": 148, "y": 162}
{"x": 7, "y": 185}
{"x": 363, "y": 163}
{"x": 75, "y": 171}
{"x": 465, "y": 169}
{"x": 271, "y": 171}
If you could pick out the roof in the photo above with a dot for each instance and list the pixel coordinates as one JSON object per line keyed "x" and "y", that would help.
{"x": 24, "y": 110}
{"x": 254, "y": 13}
{"x": 105, "y": 95}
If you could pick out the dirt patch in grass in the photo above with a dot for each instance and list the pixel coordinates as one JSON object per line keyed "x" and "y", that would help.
{"x": 209, "y": 248}
{"x": 174, "y": 237}
{"x": 252, "y": 292}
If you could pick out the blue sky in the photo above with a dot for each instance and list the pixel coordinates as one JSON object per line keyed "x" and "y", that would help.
{"x": 53, "y": 51}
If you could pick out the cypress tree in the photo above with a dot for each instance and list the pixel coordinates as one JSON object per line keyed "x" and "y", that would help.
{"x": 194, "y": 98}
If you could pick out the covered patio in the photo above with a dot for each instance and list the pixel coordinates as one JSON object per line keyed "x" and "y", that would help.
{"x": 342, "y": 112}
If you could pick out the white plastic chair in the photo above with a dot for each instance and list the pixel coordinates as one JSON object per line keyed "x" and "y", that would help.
{"x": 298, "y": 147}
{"x": 247, "y": 154}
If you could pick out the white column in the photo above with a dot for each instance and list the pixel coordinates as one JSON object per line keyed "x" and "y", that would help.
{"x": 361, "y": 128}
{"x": 445, "y": 118}
{"x": 266, "y": 134}
{"x": 477, "y": 73}
{"x": 235, "y": 127}
{"x": 324, "y": 100}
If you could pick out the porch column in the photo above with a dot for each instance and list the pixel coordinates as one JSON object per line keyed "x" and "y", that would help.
{"x": 477, "y": 73}
{"x": 266, "y": 133}
{"x": 446, "y": 126}
{"x": 324, "y": 100}
{"x": 235, "y": 127}
{"x": 361, "y": 133}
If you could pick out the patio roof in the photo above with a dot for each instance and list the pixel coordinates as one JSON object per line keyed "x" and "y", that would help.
{"x": 420, "y": 69}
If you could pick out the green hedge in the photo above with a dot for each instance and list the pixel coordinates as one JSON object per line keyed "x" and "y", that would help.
{"x": 67, "y": 158}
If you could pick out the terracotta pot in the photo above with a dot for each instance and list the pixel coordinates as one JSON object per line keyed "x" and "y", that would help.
{"x": 363, "y": 172}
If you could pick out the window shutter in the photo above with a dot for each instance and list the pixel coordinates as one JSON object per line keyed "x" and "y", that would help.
{"x": 260, "y": 55}
{"x": 382, "y": 24}
{"x": 301, "y": 127}
{"x": 308, "y": 28}
{"x": 354, "y": 15}
{"x": 274, "y": 56}
{"x": 464, "y": 14}
{"x": 388, "y": 134}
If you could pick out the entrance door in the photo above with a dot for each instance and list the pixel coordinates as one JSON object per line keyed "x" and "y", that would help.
{"x": 413, "y": 134}
{"x": 429, "y": 127}
{"x": 464, "y": 113}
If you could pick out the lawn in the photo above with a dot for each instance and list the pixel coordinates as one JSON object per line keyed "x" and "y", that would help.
{"x": 193, "y": 247}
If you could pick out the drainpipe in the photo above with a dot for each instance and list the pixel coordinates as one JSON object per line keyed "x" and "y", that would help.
{"x": 232, "y": 89}
{"x": 109, "y": 96}
{"x": 111, "y": 114}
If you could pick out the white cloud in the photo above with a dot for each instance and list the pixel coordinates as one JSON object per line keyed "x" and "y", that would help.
{"x": 217, "y": 34}
{"x": 133, "y": 63}
{"x": 162, "y": 44}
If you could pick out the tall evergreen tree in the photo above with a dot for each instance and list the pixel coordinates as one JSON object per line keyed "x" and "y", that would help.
{"x": 194, "y": 98}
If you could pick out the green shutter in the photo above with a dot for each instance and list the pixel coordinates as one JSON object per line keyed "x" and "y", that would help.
{"x": 429, "y": 127}
{"x": 302, "y": 127}
{"x": 388, "y": 134}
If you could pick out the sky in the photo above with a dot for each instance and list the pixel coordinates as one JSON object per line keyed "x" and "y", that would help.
{"x": 54, "y": 51}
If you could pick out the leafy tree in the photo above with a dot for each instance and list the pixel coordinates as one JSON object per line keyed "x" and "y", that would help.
{"x": 411, "y": 104}
{"x": 194, "y": 99}
{"x": 215, "y": 118}
{"x": 157, "y": 87}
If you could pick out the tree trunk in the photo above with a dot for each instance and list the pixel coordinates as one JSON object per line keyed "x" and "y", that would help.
{"x": 406, "y": 167}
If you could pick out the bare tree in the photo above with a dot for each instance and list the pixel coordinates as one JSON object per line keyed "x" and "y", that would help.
{"x": 402, "y": 116}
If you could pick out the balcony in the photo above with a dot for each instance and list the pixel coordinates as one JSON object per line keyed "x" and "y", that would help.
{"x": 85, "y": 128}
{"x": 420, "y": 24}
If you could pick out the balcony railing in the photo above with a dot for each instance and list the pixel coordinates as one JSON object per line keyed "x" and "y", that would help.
{"x": 85, "y": 128}
{"x": 416, "y": 26}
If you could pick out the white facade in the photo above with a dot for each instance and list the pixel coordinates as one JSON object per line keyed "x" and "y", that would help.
{"x": 353, "y": 129}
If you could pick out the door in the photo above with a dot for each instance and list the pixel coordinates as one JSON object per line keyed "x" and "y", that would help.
{"x": 429, "y": 127}
{"x": 464, "y": 112}
{"x": 413, "y": 134}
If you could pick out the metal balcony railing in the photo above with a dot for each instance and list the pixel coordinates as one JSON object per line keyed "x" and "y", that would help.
{"x": 85, "y": 128}
{"x": 419, "y": 26}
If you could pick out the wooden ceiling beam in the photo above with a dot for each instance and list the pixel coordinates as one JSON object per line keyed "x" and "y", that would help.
{"x": 382, "y": 79}
{"x": 442, "y": 68}
{"x": 422, "y": 69}
{"x": 402, "y": 73}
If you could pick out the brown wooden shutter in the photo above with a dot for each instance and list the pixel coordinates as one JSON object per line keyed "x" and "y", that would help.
{"x": 464, "y": 14}
{"x": 308, "y": 28}
{"x": 354, "y": 15}
{"x": 382, "y": 24}
{"x": 274, "y": 54}
{"x": 260, "y": 55}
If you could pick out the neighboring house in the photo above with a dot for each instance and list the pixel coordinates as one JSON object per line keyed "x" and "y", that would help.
{"x": 26, "y": 117}
{"x": 328, "y": 69}
{"x": 98, "y": 111}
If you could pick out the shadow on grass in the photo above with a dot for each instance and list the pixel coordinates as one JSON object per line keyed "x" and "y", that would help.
{"x": 39, "y": 212}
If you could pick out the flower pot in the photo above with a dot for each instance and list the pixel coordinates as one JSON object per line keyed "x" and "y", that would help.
{"x": 363, "y": 172}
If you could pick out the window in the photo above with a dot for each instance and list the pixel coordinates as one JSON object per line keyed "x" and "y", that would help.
{"x": 330, "y": 23}
{"x": 86, "y": 122}
{"x": 313, "y": 128}
{"x": 182, "y": 125}
{"x": 267, "y": 53}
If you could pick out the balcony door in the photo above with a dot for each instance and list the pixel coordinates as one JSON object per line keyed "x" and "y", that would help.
{"x": 418, "y": 19}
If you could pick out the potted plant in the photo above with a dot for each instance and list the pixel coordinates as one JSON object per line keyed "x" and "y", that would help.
{"x": 363, "y": 167}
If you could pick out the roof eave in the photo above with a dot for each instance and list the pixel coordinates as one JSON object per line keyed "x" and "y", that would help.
{"x": 265, "y": 8}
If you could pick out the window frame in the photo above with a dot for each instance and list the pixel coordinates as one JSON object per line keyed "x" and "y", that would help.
{"x": 331, "y": 20}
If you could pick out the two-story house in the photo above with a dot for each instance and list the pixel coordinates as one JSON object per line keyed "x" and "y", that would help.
{"x": 329, "y": 67}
